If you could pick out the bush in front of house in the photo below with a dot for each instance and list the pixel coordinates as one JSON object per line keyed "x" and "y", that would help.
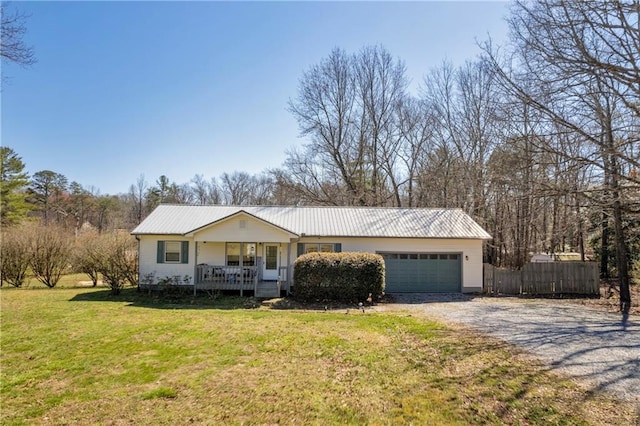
{"x": 341, "y": 277}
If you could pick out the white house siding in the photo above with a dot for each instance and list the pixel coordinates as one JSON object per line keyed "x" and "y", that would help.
{"x": 212, "y": 253}
{"x": 243, "y": 228}
{"x": 148, "y": 262}
{"x": 471, "y": 251}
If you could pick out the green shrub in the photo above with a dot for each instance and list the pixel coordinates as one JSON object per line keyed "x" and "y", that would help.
{"x": 343, "y": 277}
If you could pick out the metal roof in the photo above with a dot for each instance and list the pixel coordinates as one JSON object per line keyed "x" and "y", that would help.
{"x": 322, "y": 221}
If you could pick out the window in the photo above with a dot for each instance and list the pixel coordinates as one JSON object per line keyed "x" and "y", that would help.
{"x": 271, "y": 255}
{"x": 233, "y": 254}
{"x": 322, "y": 248}
{"x": 326, "y": 248}
{"x": 173, "y": 252}
{"x": 319, "y": 247}
{"x": 421, "y": 256}
{"x": 248, "y": 254}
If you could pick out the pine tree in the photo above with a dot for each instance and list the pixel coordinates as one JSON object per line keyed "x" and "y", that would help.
{"x": 13, "y": 182}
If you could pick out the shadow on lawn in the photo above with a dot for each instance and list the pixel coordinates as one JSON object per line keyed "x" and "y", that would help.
{"x": 135, "y": 297}
{"x": 140, "y": 298}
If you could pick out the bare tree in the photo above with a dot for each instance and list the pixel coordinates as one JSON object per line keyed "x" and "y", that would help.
{"x": 464, "y": 102}
{"x": 137, "y": 193}
{"x": 381, "y": 85}
{"x": 326, "y": 112}
{"x": 181, "y": 193}
{"x": 237, "y": 188}
{"x": 205, "y": 192}
{"x": 346, "y": 107}
{"x": 12, "y": 31}
{"x": 87, "y": 257}
{"x": 14, "y": 255}
{"x": 415, "y": 125}
{"x": 114, "y": 256}
{"x": 50, "y": 251}
{"x": 580, "y": 64}
{"x": 263, "y": 188}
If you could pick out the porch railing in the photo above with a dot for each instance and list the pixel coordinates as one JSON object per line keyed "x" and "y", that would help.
{"x": 283, "y": 278}
{"x": 218, "y": 277}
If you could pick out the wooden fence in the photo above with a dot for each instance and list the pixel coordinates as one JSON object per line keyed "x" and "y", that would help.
{"x": 544, "y": 279}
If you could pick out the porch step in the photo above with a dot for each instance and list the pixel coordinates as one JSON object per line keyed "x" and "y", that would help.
{"x": 267, "y": 289}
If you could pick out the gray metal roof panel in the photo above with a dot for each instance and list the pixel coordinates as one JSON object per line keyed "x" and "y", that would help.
{"x": 323, "y": 221}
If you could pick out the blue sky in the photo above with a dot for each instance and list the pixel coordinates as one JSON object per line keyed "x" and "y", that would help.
{"x": 122, "y": 89}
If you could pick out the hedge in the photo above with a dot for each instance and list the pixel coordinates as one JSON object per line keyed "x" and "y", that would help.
{"x": 342, "y": 277}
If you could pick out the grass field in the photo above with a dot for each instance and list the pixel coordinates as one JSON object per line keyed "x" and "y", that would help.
{"x": 82, "y": 356}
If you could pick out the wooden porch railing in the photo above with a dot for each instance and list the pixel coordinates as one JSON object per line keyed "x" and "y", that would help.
{"x": 283, "y": 278}
{"x": 217, "y": 277}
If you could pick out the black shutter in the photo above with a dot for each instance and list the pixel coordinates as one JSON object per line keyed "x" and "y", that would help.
{"x": 160, "y": 253}
{"x": 185, "y": 252}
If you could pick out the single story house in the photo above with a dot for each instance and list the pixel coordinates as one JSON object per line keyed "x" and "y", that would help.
{"x": 253, "y": 248}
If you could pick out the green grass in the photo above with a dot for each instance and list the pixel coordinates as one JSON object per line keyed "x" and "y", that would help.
{"x": 80, "y": 355}
{"x": 67, "y": 281}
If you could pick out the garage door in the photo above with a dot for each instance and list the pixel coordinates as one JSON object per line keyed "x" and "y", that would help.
{"x": 422, "y": 272}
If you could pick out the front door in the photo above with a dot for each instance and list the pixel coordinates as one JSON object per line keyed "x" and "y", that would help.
{"x": 271, "y": 261}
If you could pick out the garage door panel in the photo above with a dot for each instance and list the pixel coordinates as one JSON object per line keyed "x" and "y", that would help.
{"x": 424, "y": 272}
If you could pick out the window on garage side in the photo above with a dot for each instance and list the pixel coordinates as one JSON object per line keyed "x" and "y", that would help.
{"x": 322, "y": 248}
{"x": 326, "y": 248}
{"x": 305, "y": 248}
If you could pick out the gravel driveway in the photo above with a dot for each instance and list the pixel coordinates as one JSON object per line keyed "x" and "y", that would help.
{"x": 596, "y": 347}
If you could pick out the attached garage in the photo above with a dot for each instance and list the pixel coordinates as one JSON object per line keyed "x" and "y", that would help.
{"x": 423, "y": 272}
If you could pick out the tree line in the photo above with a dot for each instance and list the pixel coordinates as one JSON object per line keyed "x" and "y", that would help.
{"x": 48, "y": 197}
{"x": 537, "y": 140}
{"x": 47, "y": 252}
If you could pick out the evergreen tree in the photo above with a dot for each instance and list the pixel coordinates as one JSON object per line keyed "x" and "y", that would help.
{"x": 13, "y": 181}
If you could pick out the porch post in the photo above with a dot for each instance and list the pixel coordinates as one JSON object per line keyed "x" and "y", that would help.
{"x": 289, "y": 272}
{"x": 240, "y": 263}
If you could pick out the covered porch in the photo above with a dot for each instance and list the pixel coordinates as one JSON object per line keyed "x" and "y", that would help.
{"x": 236, "y": 278}
{"x": 244, "y": 253}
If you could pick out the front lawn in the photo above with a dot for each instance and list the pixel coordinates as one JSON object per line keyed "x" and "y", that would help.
{"x": 83, "y": 356}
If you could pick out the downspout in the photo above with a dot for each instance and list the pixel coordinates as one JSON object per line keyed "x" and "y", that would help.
{"x": 137, "y": 237}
